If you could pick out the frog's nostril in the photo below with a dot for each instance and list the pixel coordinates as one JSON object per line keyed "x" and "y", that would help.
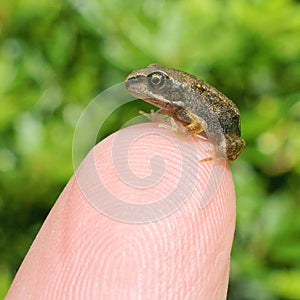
{"x": 133, "y": 79}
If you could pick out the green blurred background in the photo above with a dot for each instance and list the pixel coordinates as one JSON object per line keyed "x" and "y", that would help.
{"x": 55, "y": 56}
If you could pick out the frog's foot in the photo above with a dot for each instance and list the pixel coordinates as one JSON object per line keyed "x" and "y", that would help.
{"x": 154, "y": 116}
{"x": 211, "y": 157}
{"x": 214, "y": 156}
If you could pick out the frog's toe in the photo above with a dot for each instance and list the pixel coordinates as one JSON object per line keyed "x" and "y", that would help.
{"x": 154, "y": 116}
{"x": 214, "y": 156}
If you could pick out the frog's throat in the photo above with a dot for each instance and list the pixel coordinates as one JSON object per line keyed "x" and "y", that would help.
{"x": 166, "y": 106}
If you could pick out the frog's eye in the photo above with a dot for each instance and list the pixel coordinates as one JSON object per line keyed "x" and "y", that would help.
{"x": 157, "y": 79}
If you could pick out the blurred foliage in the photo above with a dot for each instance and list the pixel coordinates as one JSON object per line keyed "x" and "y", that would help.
{"x": 55, "y": 56}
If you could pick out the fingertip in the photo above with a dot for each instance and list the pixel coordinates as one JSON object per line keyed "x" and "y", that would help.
{"x": 141, "y": 216}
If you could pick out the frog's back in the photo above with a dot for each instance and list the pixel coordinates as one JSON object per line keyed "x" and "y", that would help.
{"x": 198, "y": 97}
{"x": 207, "y": 102}
{"x": 221, "y": 106}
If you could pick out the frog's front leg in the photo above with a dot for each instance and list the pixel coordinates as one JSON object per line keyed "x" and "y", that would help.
{"x": 183, "y": 123}
{"x": 175, "y": 127}
{"x": 195, "y": 124}
{"x": 167, "y": 123}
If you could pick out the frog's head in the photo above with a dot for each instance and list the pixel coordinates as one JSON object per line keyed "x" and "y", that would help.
{"x": 160, "y": 86}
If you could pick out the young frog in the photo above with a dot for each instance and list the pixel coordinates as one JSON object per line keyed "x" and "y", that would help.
{"x": 195, "y": 105}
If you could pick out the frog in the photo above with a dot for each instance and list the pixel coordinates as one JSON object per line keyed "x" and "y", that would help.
{"x": 194, "y": 106}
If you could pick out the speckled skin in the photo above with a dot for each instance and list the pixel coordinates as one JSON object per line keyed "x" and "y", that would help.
{"x": 194, "y": 103}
